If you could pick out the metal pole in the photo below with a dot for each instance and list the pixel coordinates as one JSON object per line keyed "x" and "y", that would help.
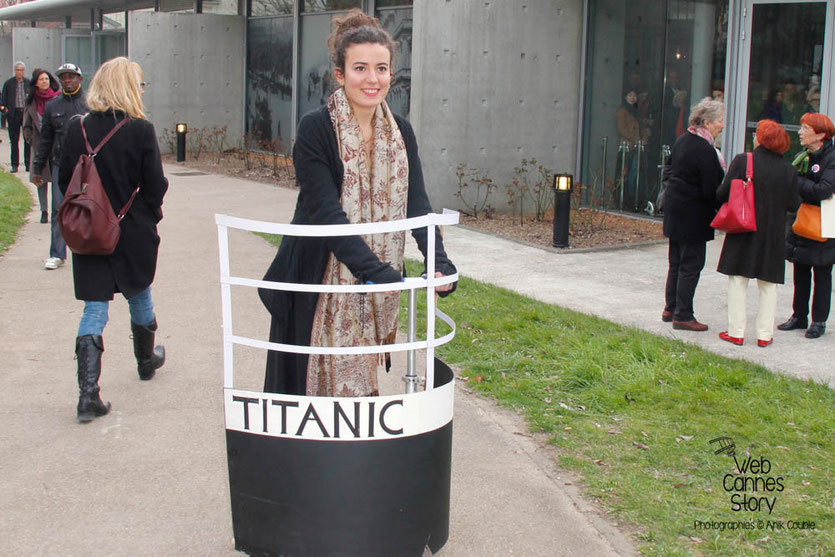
{"x": 181, "y": 146}
{"x": 623, "y": 148}
{"x": 411, "y": 378}
{"x": 639, "y": 152}
{"x": 605, "y": 149}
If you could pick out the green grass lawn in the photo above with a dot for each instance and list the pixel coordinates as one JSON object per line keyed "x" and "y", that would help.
{"x": 15, "y": 203}
{"x": 634, "y": 413}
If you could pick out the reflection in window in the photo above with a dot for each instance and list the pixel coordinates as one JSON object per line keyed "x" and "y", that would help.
{"x": 645, "y": 68}
{"x": 270, "y": 82}
{"x": 272, "y": 7}
{"x": 316, "y": 79}
{"x": 220, "y": 7}
{"x": 329, "y": 5}
{"x": 786, "y": 64}
{"x": 398, "y": 22}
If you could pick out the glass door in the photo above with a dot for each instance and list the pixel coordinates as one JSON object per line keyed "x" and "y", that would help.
{"x": 786, "y": 59}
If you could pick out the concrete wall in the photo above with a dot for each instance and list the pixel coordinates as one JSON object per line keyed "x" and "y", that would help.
{"x": 6, "y": 59}
{"x": 37, "y": 47}
{"x": 494, "y": 82}
{"x": 195, "y": 65}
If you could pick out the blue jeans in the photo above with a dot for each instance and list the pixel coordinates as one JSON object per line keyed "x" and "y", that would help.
{"x": 94, "y": 317}
{"x": 58, "y": 247}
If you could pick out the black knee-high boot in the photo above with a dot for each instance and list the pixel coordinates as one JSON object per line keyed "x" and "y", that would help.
{"x": 88, "y": 349}
{"x": 149, "y": 358}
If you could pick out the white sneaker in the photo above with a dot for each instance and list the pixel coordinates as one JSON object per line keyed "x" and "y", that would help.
{"x": 53, "y": 263}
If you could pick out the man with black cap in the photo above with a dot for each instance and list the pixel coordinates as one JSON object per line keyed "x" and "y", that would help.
{"x": 54, "y": 123}
{"x": 15, "y": 91}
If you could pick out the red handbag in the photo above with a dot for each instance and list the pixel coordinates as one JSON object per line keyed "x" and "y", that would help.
{"x": 736, "y": 215}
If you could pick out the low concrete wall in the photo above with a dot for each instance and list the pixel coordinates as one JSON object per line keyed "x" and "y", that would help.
{"x": 195, "y": 65}
{"x": 494, "y": 82}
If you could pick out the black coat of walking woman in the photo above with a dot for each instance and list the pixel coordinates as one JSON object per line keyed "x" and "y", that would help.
{"x": 816, "y": 168}
{"x": 130, "y": 159}
{"x": 696, "y": 170}
{"x": 759, "y": 255}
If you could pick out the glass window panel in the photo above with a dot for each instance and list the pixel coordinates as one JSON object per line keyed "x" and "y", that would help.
{"x": 176, "y": 5}
{"x": 329, "y": 5}
{"x": 272, "y": 7}
{"x": 316, "y": 80}
{"x": 398, "y": 22}
{"x": 220, "y": 7}
{"x": 114, "y": 20}
{"x": 270, "y": 81}
{"x": 107, "y": 47}
{"x": 77, "y": 50}
{"x": 667, "y": 59}
{"x": 785, "y": 68}
{"x": 390, "y": 3}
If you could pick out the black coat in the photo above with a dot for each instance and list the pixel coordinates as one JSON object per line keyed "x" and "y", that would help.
{"x": 815, "y": 186}
{"x": 690, "y": 198}
{"x": 759, "y": 255}
{"x": 7, "y": 97}
{"x": 54, "y": 121}
{"x": 303, "y": 260}
{"x": 131, "y": 158}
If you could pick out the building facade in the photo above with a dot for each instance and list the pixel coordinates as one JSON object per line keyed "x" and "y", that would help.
{"x": 596, "y": 88}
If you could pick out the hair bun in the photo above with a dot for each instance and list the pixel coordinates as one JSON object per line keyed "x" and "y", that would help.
{"x": 354, "y": 19}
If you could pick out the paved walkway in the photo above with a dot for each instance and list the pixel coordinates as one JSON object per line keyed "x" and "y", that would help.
{"x": 150, "y": 478}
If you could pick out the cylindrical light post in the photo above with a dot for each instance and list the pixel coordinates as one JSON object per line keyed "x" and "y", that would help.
{"x": 182, "y": 130}
{"x": 563, "y": 185}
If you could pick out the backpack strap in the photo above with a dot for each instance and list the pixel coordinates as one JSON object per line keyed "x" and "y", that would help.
{"x": 749, "y": 167}
{"x": 92, "y": 152}
{"x": 125, "y": 209}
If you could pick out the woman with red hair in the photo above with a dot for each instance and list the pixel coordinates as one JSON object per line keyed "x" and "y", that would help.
{"x": 816, "y": 168}
{"x": 759, "y": 255}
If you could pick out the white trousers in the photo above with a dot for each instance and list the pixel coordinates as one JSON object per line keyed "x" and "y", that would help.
{"x": 765, "y": 311}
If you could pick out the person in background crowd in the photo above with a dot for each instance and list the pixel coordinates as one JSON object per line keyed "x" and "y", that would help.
{"x": 54, "y": 121}
{"x": 45, "y": 88}
{"x": 813, "y": 100}
{"x": 355, "y": 162}
{"x": 630, "y": 132}
{"x": 129, "y": 160}
{"x": 816, "y": 169}
{"x": 674, "y": 109}
{"x": 773, "y": 106}
{"x": 759, "y": 255}
{"x": 14, "y": 94}
{"x": 696, "y": 170}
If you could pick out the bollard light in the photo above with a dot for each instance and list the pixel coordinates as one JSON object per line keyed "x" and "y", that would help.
{"x": 182, "y": 130}
{"x": 563, "y": 185}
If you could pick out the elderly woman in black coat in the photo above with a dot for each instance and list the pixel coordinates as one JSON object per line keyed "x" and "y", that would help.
{"x": 759, "y": 255}
{"x": 129, "y": 160}
{"x": 696, "y": 170}
{"x": 816, "y": 168}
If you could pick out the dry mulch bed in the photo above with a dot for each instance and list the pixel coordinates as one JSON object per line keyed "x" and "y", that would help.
{"x": 589, "y": 228}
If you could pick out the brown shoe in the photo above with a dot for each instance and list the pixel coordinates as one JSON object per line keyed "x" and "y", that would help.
{"x": 691, "y": 325}
{"x": 666, "y": 316}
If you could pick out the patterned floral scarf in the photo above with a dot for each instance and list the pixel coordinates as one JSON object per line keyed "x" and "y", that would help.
{"x": 372, "y": 191}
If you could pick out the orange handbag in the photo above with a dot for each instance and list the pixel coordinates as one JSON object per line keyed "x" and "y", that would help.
{"x": 808, "y": 222}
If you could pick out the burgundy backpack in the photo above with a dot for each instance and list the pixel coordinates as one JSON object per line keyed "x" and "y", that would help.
{"x": 86, "y": 217}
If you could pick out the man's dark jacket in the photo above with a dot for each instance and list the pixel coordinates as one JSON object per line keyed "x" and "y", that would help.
{"x": 54, "y": 122}
{"x": 9, "y": 91}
